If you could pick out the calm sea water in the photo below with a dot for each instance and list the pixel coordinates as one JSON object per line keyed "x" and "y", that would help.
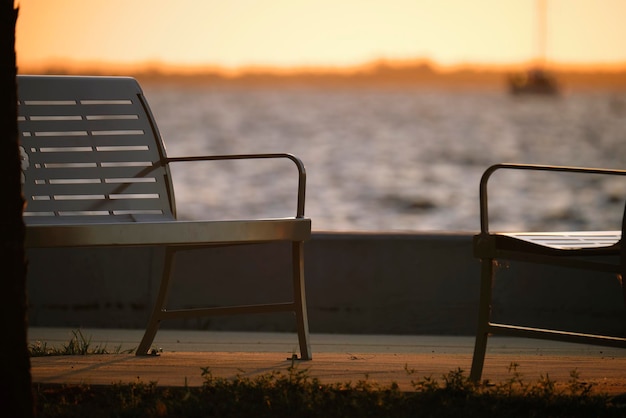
{"x": 395, "y": 159}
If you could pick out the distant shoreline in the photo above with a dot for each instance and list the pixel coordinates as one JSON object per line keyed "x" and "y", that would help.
{"x": 375, "y": 75}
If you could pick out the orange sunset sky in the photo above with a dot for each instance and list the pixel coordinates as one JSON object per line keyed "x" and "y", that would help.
{"x": 234, "y": 34}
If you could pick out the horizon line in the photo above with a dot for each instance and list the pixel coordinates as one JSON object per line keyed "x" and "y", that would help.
{"x": 163, "y": 67}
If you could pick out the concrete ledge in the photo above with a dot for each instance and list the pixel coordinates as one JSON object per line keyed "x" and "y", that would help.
{"x": 357, "y": 283}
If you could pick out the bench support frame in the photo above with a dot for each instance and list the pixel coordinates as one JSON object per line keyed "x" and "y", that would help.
{"x": 491, "y": 247}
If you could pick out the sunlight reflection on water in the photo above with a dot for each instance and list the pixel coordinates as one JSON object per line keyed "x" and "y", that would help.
{"x": 394, "y": 159}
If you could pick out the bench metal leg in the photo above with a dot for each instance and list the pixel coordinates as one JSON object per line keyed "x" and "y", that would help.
{"x": 484, "y": 314}
{"x": 299, "y": 297}
{"x": 159, "y": 306}
{"x": 298, "y": 306}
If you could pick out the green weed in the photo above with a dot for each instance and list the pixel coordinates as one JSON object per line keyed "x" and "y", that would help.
{"x": 77, "y": 345}
{"x": 295, "y": 393}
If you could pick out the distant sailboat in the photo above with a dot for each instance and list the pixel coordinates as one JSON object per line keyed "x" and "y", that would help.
{"x": 536, "y": 80}
{"x": 533, "y": 81}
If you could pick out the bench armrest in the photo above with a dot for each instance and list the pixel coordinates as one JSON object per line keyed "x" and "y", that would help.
{"x": 484, "y": 209}
{"x": 296, "y": 161}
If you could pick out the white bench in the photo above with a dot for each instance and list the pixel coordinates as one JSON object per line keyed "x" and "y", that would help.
{"x": 599, "y": 251}
{"x": 96, "y": 173}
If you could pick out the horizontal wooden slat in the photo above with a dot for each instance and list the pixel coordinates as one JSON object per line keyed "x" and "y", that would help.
{"x": 82, "y": 88}
{"x": 34, "y": 143}
{"x": 94, "y": 188}
{"x": 83, "y": 138}
{"x": 96, "y": 172}
{"x": 77, "y": 109}
{"x": 82, "y": 156}
{"x": 82, "y": 124}
{"x": 92, "y": 204}
{"x": 569, "y": 240}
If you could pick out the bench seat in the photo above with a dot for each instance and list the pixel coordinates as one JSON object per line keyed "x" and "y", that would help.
{"x": 167, "y": 233}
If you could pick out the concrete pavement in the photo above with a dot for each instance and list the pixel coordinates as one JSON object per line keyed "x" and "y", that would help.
{"x": 382, "y": 359}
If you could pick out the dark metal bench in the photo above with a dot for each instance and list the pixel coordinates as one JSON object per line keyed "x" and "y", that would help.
{"x": 96, "y": 173}
{"x": 599, "y": 251}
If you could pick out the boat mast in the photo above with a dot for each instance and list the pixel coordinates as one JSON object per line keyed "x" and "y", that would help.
{"x": 541, "y": 33}
{"x": 536, "y": 80}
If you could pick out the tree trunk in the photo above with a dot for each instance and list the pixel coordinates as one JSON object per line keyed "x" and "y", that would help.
{"x": 16, "y": 398}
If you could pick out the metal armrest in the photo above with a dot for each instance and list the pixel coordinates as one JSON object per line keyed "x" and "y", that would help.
{"x": 484, "y": 210}
{"x": 296, "y": 161}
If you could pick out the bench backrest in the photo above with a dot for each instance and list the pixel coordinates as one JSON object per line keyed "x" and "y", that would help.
{"x": 91, "y": 151}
